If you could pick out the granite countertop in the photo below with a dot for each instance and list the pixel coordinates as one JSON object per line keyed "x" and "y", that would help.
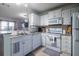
{"x": 14, "y": 36}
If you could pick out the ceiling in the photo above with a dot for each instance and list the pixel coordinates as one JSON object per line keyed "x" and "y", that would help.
{"x": 40, "y": 7}
{"x": 12, "y": 10}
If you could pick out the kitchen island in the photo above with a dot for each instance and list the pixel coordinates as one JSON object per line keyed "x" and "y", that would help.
{"x": 20, "y": 45}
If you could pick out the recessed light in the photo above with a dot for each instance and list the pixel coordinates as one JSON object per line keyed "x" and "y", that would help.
{"x": 18, "y": 3}
{"x": 26, "y": 5}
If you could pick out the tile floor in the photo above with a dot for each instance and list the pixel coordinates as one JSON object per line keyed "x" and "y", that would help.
{"x": 41, "y": 52}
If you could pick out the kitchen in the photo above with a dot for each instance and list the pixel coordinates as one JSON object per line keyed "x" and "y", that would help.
{"x": 39, "y": 29}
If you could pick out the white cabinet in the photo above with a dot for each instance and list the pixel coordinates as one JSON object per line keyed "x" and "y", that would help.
{"x": 27, "y": 45}
{"x": 21, "y": 45}
{"x": 66, "y": 17}
{"x": 54, "y": 14}
{"x": 66, "y": 44}
{"x": 36, "y": 41}
{"x": 44, "y": 20}
{"x": 58, "y": 42}
{"x": 17, "y": 48}
{"x": 57, "y": 13}
{"x": 50, "y": 14}
{"x": 41, "y": 20}
{"x": 74, "y": 10}
{"x": 34, "y": 19}
{"x": 37, "y": 20}
{"x": 43, "y": 39}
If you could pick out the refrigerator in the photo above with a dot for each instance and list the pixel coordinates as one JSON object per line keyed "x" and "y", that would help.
{"x": 75, "y": 34}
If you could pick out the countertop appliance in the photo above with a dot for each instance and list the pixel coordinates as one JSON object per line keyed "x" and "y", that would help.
{"x": 75, "y": 34}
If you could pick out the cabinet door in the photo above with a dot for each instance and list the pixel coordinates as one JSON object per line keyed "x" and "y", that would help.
{"x": 31, "y": 19}
{"x": 46, "y": 19}
{"x": 57, "y": 13}
{"x": 74, "y": 10}
{"x": 43, "y": 39}
{"x": 41, "y": 20}
{"x": 58, "y": 43}
{"x": 66, "y": 17}
{"x": 66, "y": 44}
{"x": 36, "y": 41}
{"x": 36, "y": 19}
{"x": 27, "y": 45}
{"x": 51, "y": 14}
{"x": 17, "y": 48}
{"x": 39, "y": 40}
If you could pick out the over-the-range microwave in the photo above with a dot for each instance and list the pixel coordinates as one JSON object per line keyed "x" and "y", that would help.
{"x": 55, "y": 21}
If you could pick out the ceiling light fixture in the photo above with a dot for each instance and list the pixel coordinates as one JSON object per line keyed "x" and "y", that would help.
{"x": 24, "y": 15}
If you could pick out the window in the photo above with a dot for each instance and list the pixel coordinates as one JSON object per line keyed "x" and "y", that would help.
{"x": 7, "y": 26}
{"x": 11, "y": 25}
{"x": 4, "y": 25}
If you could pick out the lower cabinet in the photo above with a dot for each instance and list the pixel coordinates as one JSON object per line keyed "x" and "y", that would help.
{"x": 36, "y": 41}
{"x": 22, "y": 45}
{"x": 17, "y": 46}
{"x": 43, "y": 36}
{"x": 58, "y": 43}
{"x": 66, "y": 44}
{"x": 27, "y": 45}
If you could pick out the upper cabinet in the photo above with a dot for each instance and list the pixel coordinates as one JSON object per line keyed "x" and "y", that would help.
{"x": 57, "y": 13}
{"x": 50, "y": 14}
{"x": 66, "y": 17}
{"x": 54, "y": 17}
{"x": 34, "y": 19}
{"x": 74, "y": 10}
{"x": 54, "y": 14}
{"x": 44, "y": 20}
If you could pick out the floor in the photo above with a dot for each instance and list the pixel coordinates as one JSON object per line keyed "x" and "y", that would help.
{"x": 43, "y": 51}
{"x": 40, "y": 52}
